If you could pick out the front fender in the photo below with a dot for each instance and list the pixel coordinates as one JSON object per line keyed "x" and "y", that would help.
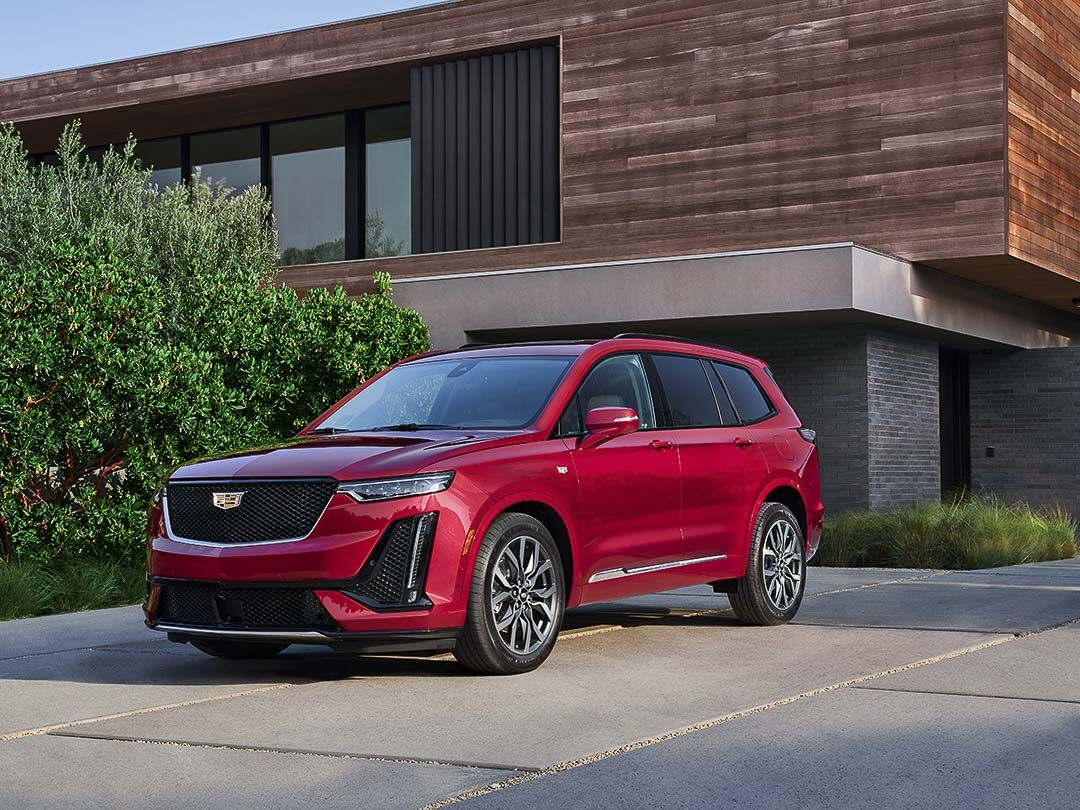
{"x": 501, "y": 502}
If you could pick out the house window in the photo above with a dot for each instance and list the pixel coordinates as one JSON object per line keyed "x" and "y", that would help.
{"x": 387, "y": 185}
{"x": 230, "y": 158}
{"x": 307, "y": 177}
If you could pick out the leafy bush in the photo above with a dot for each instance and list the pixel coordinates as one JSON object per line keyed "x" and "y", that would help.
{"x": 967, "y": 533}
{"x": 142, "y": 327}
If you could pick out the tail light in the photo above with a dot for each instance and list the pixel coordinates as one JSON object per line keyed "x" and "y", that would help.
{"x": 808, "y": 434}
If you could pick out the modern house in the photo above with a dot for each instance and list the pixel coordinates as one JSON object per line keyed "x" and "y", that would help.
{"x": 879, "y": 197}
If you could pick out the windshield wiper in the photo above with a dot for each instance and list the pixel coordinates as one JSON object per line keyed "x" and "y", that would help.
{"x": 328, "y": 431}
{"x": 410, "y": 427}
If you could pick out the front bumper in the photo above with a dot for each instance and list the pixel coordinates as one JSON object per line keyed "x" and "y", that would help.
{"x": 373, "y": 641}
{"x": 339, "y": 562}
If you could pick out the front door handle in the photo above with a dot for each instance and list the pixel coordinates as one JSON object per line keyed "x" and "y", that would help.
{"x": 661, "y": 444}
{"x": 743, "y": 442}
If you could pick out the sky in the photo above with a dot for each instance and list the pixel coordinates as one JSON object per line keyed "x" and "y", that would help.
{"x": 50, "y": 35}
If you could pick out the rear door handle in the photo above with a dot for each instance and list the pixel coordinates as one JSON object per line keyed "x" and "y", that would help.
{"x": 661, "y": 444}
{"x": 743, "y": 442}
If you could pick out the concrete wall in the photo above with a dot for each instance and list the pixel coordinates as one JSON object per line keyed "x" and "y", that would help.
{"x": 1026, "y": 405}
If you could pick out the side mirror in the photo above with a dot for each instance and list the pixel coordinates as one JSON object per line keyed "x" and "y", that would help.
{"x": 602, "y": 424}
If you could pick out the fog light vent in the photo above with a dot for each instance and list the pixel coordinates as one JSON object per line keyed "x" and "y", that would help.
{"x": 394, "y": 575}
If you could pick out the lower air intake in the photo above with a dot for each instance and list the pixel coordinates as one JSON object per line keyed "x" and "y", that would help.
{"x": 208, "y": 604}
{"x": 394, "y": 575}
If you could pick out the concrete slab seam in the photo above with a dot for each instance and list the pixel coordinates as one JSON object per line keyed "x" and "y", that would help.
{"x": 31, "y": 732}
{"x": 264, "y": 749}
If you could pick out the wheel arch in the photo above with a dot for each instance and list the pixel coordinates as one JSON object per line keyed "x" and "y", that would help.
{"x": 551, "y": 519}
{"x": 790, "y": 497}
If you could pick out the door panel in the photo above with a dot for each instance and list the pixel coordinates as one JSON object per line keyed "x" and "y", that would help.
{"x": 721, "y": 475}
{"x": 630, "y": 486}
{"x": 631, "y": 500}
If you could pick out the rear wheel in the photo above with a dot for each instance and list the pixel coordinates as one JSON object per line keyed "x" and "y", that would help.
{"x": 238, "y": 650}
{"x": 772, "y": 589}
{"x": 516, "y": 600}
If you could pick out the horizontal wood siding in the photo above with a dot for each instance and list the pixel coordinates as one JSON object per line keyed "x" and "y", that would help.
{"x": 687, "y": 126}
{"x": 1044, "y": 133}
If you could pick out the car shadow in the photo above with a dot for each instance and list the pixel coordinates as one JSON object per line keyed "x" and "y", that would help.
{"x": 158, "y": 662}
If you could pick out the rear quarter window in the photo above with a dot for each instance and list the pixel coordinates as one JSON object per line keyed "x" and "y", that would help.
{"x": 750, "y": 401}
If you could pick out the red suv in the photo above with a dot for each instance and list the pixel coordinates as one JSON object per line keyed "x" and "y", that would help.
{"x": 463, "y": 500}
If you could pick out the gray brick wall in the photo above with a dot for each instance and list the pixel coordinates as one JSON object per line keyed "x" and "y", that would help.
{"x": 823, "y": 374}
{"x": 1026, "y": 405}
{"x": 904, "y": 438}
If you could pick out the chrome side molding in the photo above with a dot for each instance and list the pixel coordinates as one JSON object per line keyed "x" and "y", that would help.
{"x": 618, "y": 573}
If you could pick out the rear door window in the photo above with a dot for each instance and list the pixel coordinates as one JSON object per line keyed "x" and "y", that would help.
{"x": 689, "y": 395}
{"x": 750, "y": 401}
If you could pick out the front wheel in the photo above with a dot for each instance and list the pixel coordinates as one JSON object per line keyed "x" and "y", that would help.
{"x": 516, "y": 599}
{"x": 772, "y": 589}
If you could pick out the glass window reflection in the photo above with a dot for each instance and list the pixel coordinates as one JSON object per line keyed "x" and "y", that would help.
{"x": 230, "y": 157}
{"x": 388, "y": 186}
{"x": 308, "y": 179}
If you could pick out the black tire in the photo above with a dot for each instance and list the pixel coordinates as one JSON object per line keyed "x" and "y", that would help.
{"x": 751, "y": 600}
{"x": 480, "y": 647}
{"x": 239, "y": 650}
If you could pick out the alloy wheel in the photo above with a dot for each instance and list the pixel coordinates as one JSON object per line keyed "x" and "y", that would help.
{"x": 782, "y": 564}
{"x": 522, "y": 596}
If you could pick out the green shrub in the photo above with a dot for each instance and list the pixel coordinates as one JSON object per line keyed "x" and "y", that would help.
{"x": 142, "y": 327}
{"x": 967, "y": 533}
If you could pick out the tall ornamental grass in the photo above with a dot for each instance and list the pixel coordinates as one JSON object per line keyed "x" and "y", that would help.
{"x": 966, "y": 533}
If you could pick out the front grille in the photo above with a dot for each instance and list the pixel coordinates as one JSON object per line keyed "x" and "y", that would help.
{"x": 395, "y": 573}
{"x": 208, "y": 604}
{"x": 265, "y": 510}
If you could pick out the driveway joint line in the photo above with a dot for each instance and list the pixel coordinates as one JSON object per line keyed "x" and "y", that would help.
{"x": 273, "y": 749}
{"x": 966, "y": 694}
{"x": 33, "y": 732}
{"x": 707, "y": 724}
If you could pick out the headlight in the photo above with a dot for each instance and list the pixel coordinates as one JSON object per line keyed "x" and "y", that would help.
{"x": 382, "y": 490}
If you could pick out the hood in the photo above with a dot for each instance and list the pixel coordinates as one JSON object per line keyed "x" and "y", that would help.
{"x": 346, "y": 457}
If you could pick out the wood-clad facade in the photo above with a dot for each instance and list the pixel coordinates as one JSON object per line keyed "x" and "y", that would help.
{"x": 692, "y": 126}
{"x": 1043, "y": 128}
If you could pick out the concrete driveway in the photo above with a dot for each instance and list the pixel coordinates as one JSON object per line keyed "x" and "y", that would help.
{"x": 894, "y": 687}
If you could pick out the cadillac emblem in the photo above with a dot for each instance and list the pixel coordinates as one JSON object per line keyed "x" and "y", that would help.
{"x": 227, "y": 500}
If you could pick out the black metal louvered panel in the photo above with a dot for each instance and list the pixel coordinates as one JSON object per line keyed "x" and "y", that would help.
{"x": 485, "y": 151}
{"x": 265, "y": 510}
{"x": 209, "y": 604}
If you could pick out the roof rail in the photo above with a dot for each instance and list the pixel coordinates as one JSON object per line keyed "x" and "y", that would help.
{"x": 694, "y": 341}
{"x": 524, "y": 343}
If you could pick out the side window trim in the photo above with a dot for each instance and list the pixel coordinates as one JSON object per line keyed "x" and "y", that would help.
{"x": 768, "y": 400}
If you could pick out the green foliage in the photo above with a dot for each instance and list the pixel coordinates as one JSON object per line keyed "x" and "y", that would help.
{"x": 966, "y": 533}
{"x": 142, "y": 327}
{"x": 31, "y": 589}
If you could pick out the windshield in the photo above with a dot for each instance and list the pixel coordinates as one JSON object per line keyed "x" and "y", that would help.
{"x": 486, "y": 392}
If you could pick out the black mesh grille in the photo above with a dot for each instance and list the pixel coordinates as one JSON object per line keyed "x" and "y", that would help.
{"x": 386, "y": 575}
{"x": 267, "y": 510}
{"x": 209, "y": 604}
